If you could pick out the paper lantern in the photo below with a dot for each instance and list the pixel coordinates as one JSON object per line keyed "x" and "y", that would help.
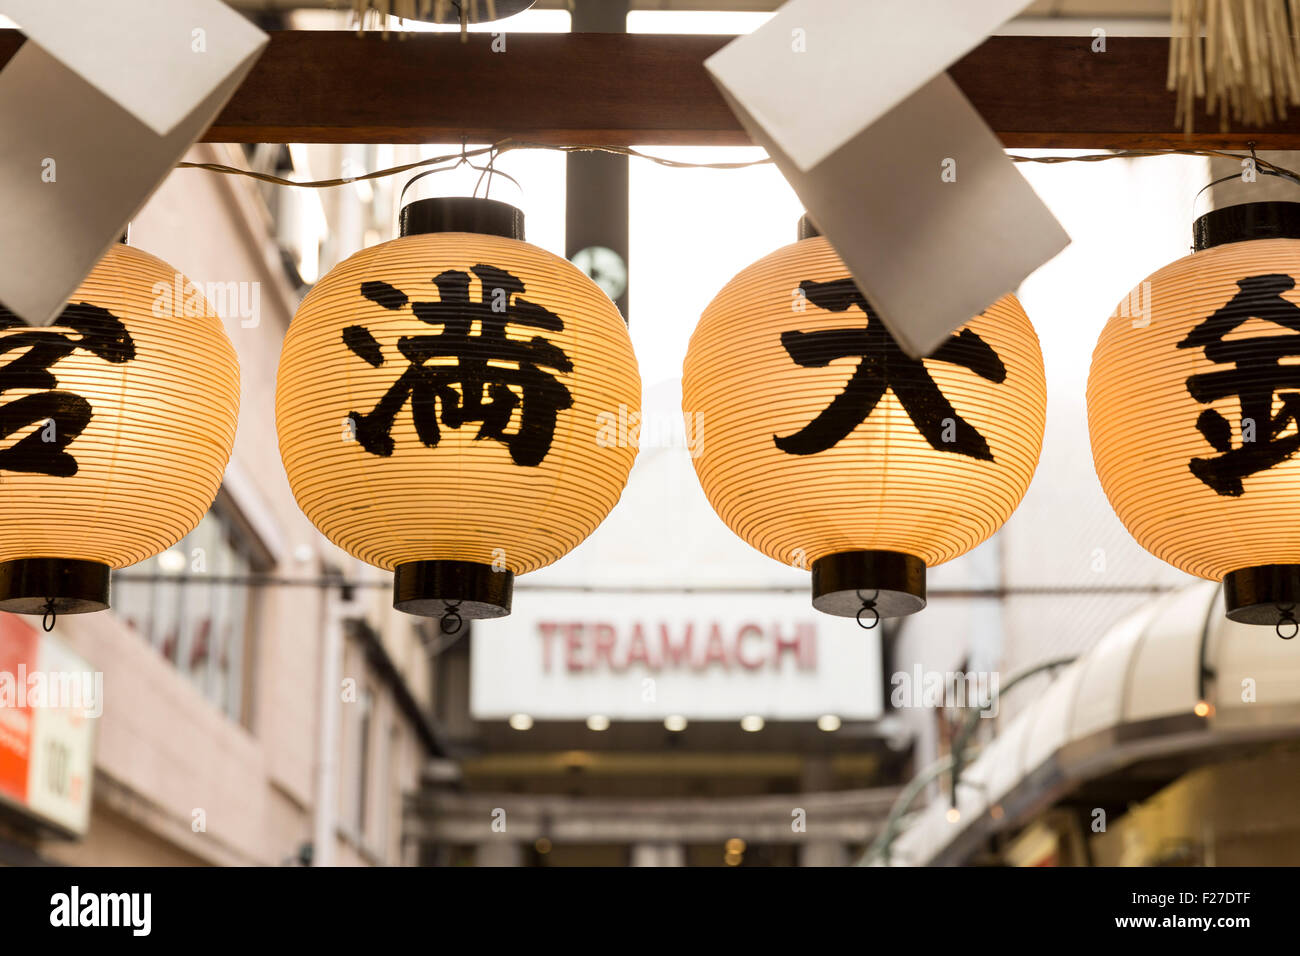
{"x": 444, "y": 406}
{"x": 117, "y": 421}
{"x": 824, "y": 445}
{"x": 1193, "y": 406}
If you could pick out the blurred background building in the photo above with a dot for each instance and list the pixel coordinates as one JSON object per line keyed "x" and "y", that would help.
{"x": 663, "y": 695}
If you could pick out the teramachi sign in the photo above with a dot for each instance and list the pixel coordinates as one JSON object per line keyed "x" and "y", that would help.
{"x": 617, "y": 646}
{"x": 716, "y": 656}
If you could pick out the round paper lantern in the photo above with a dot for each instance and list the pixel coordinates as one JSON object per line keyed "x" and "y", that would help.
{"x": 1193, "y": 406}
{"x": 823, "y": 444}
{"x": 118, "y": 421}
{"x": 448, "y": 407}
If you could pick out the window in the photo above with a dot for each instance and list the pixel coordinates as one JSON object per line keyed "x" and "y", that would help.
{"x": 365, "y": 717}
{"x": 390, "y": 780}
{"x": 201, "y": 621}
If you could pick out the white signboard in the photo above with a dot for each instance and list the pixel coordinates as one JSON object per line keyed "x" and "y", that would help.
{"x": 565, "y": 655}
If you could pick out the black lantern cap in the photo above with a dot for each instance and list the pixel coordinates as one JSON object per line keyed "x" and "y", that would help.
{"x": 1267, "y": 595}
{"x": 807, "y": 229}
{"x": 1246, "y": 221}
{"x": 868, "y": 585}
{"x": 452, "y": 589}
{"x": 53, "y": 586}
{"x": 487, "y": 217}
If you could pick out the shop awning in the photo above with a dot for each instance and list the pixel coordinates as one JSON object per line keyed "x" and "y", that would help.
{"x": 1131, "y": 699}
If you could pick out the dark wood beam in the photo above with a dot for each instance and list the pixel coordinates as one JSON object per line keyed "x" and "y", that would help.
{"x": 611, "y": 89}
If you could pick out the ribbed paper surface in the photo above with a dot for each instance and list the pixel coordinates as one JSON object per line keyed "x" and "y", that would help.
{"x": 883, "y": 486}
{"x": 1143, "y": 419}
{"x": 464, "y": 498}
{"x": 149, "y": 460}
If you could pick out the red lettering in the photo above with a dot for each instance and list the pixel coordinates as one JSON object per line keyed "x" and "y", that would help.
{"x": 676, "y": 655}
{"x": 780, "y": 646}
{"x": 588, "y": 646}
{"x": 572, "y": 646}
{"x": 603, "y": 645}
{"x": 748, "y": 630}
{"x": 638, "y": 652}
{"x": 715, "y": 651}
{"x": 548, "y": 635}
{"x": 808, "y": 640}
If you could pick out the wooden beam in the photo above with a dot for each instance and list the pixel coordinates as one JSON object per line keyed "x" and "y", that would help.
{"x": 612, "y": 89}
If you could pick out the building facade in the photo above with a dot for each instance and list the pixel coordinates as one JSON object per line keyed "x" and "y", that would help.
{"x": 252, "y": 711}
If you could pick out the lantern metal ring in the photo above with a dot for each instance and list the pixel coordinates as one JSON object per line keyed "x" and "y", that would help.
{"x": 868, "y": 606}
{"x": 451, "y": 622}
{"x": 1286, "y": 616}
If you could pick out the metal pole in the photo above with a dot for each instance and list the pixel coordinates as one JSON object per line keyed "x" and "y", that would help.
{"x": 596, "y": 190}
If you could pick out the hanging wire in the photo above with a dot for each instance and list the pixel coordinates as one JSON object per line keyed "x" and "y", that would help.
{"x": 496, "y": 150}
{"x": 488, "y": 171}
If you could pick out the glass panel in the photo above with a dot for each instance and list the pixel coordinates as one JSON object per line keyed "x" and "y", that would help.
{"x": 200, "y": 620}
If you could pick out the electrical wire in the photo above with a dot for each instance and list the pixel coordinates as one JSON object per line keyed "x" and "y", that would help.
{"x": 494, "y": 152}
{"x": 1264, "y": 164}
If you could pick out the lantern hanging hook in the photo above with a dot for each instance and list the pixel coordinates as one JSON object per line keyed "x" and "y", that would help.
{"x": 1286, "y": 616}
{"x": 489, "y": 171}
{"x": 868, "y": 604}
{"x": 48, "y": 619}
{"x": 451, "y": 621}
{"x": 1266, "y": 169}
{"x": 462, "y": 161}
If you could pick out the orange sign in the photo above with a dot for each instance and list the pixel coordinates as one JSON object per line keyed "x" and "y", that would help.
{"x": 48, "y": 699}
{"x": 19, "y": 645}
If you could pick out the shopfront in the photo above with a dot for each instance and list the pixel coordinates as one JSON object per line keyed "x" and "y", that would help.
{"x": 50, "y": 700}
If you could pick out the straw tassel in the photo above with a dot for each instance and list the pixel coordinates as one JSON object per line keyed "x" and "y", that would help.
{"x": 439, "y": 11}
{"x": 1242, "y": 57}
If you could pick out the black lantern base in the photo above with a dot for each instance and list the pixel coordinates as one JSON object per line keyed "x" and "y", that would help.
{"x": 1268, "y": 594}
{"x": 462, "y": 589}
{"x": 888, "y": 583}
{"x": 53, "y": 586}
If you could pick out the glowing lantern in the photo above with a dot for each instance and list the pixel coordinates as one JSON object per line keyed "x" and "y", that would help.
{"x": 824, "y": 444}
{"x": 1193, "y": 406}
{"x": 119, "y": 420}
{"x": 443, "y": 402}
